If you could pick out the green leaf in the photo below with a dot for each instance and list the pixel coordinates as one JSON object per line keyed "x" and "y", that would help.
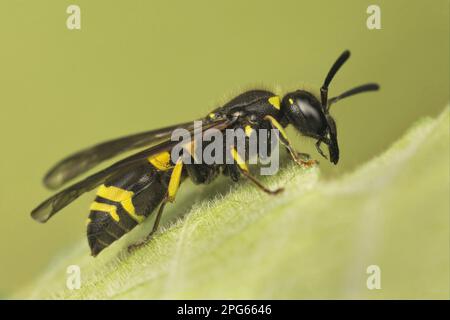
{"x": 315, "y": 240}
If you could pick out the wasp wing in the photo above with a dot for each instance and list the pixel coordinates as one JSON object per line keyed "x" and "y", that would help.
{"x": 81, "y": 161}
{"x": 60, "y": 200}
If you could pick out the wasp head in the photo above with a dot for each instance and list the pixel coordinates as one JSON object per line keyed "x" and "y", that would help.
{"x": 310, "y": 115}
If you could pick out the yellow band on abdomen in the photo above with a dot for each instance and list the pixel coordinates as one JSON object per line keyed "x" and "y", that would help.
{"x": 107, "y": 208}
{"x": 124, "y": 197}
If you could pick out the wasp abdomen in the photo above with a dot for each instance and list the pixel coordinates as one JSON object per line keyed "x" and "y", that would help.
{"x": 107, "y": 223}
{"x": 123, "y": 203}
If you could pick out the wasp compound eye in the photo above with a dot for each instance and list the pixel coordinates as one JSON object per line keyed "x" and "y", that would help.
{"x": 304, "y": 112}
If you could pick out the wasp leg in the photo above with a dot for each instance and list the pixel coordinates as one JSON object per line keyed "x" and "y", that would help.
{"x": 319, "y": 150}
{"x": 260, "y": 185}
{"x": 143, "y": 242}
{"x": 296, "y": 156}
{"x": 174, "y": 184}
{"x": 244, "y": 170}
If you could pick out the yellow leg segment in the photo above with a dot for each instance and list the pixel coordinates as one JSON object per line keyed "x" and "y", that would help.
{"x": 244, "y": 170}
{"x": 236, "y": 157}
{"x": 174, "y": 182}
{"x": 285, "y": 141}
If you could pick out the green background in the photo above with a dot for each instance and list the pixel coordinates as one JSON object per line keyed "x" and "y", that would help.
{"x": 137, "y": 65}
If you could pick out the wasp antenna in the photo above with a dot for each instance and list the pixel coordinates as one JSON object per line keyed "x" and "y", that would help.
{"x": 334, "y": 69}
{"x": 360, "y": 89}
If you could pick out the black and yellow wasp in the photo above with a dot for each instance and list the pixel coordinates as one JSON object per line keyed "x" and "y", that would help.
{"x": 131, "y": 189}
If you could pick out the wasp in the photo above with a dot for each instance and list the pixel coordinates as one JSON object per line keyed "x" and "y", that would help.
{"x": 130, "y": 190}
